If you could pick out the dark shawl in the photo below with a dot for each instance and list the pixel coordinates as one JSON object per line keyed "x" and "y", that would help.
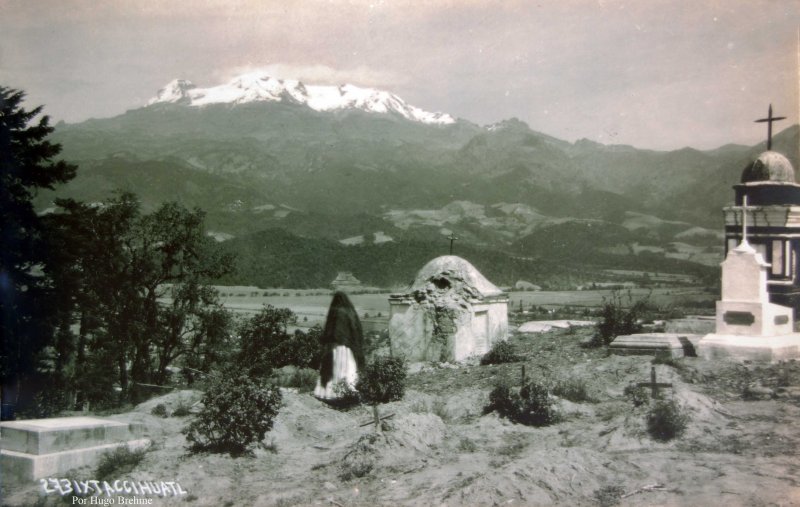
{"x": 342, "y": 327}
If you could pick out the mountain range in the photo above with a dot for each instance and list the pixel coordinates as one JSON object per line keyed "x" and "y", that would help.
{"x": 361, "y": 168}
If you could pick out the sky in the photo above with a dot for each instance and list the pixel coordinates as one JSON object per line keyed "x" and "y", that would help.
{"x": 649, "y": 73}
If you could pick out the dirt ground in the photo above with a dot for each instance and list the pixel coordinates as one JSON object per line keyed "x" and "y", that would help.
{"x": 439, "y": 449}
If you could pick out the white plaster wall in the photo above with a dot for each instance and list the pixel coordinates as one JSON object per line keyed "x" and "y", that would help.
{"x": 411, "y": 331}
{"x": 498, "y": 322}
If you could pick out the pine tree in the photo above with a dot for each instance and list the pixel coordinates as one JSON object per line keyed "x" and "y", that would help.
{"x": 26, "y": 165}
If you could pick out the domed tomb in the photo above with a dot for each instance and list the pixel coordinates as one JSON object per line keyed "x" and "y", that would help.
{"x": 772, "y": 197}
{"x": 770, "y": 166}
{"x": 450, "y": 312}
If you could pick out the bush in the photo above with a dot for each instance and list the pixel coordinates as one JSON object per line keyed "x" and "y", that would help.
{"x": 346, "y": 396}
{"x": 159, "y": 410}
{"x": 382, "y": 380}
{"x": 573, "y": 390}
{"x": 537, "y": 407}
{"x": 182, "y": 410}
{"x": 501, "y": 352}
{"x": 238, "y": 411}
{"x": 531, "y": 406}
{"x": 120, "y": 461}
{"x": 302, "y": 350}
{"x": 616, "y": 319}
{"x": 289, "y": 376}
{"x": 608, "y": 496}
{"x": 666, "y": 420}
{"x": 638, "y": 395}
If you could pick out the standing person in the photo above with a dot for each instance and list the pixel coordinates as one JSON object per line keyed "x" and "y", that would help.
{"x": 343, "y": 344}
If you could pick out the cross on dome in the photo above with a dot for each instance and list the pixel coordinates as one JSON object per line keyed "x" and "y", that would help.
{"x": 769, "y": 120}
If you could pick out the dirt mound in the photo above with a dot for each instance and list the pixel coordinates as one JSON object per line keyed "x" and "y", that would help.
{"x": 419, "y": 432}
{"x": 304, "y": 420}
{"x": 548, "y": 477}
{"x": 187, "y": 398}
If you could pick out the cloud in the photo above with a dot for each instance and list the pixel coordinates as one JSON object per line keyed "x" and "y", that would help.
{"x": 318, "y": 74}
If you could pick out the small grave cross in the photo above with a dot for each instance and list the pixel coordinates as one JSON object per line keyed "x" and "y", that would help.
{"x": 381, "y": 418}
{"x": 745, "y": 208}
{"x": 768, "y": 120}
{"x": 452, "y": 237}
{"x": 653, "y": 385}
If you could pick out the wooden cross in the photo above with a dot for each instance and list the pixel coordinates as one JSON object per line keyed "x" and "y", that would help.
{"x": 768, "y": 120}
{"x": 653, "y": 385}
{"x": 452, "y": 238}
{"x": 381, "y": 418}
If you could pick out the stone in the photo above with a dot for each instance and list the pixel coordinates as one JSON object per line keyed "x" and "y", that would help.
{"x": 31, "y": 449}
{"x": 450, "y": 313}
{"x": 655, "y": 344}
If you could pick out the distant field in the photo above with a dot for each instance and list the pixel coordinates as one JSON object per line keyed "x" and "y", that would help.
{"x": 311, "y": 306}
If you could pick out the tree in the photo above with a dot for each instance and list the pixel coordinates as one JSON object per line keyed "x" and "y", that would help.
{"x": 382, "y": 380}
{"x": 140, "y": 299}
{"x": 260, "y": 335}
{"x": 26, "y": 165}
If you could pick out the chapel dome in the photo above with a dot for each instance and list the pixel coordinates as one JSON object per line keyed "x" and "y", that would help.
{"x": 769, "y": 166}
{"x": 450, "y": 268}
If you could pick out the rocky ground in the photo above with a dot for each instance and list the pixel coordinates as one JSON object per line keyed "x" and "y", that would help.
{"x": 740, "y": 448}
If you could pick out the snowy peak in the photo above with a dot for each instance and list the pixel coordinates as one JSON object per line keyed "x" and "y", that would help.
{"x": 256, "y": 87}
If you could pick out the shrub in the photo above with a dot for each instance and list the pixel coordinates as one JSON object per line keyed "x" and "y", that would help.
{"x": 238, "y": 411}
{"x": 346, "y": 396}
{"x": 502, "y": 401}
{"x": 118, "y": 462}
{"x": 616, "y": 319}
{"x": 501, "y": 352}
{"x": 638, "y": 395}
{"x": 289, "y": 376}
{"x": 572, "y": 389}
{"x": 537, "y": 407}
{"x": 182, "y": 410}
{"x": 382, "y": 380}
{"x": 159, "y": 410}
{"x": 666, "y": 420}
{"x": 531, "y": 406}
{"x": 608, "y": 496}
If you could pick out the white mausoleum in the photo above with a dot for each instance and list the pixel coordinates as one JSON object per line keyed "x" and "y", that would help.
{"x": 450, "y": 312}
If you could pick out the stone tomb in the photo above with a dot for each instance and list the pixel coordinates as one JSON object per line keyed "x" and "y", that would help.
{"x": 449, "y": 313}
{"x": 36, "y": 448}
{"x": 658, "y": 344}
{"x": 748, "y": 326}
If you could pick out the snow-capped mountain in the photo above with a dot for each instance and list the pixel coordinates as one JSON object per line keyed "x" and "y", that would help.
{"x": 259, "y": 87}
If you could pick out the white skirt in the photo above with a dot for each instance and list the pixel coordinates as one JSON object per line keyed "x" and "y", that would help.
{"x": 344, "y": 368}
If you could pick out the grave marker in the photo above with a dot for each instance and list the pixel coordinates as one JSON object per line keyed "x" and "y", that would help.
{"x": 653, "y": 385}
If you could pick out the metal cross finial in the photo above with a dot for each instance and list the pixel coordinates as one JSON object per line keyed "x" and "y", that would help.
{"x": 452, "y": 238}
{"x": 769, "y": 119}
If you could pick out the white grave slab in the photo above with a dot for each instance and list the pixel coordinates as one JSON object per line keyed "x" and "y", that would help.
{"x": 31, "y": 449}
{"x": 657, "y": 344}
